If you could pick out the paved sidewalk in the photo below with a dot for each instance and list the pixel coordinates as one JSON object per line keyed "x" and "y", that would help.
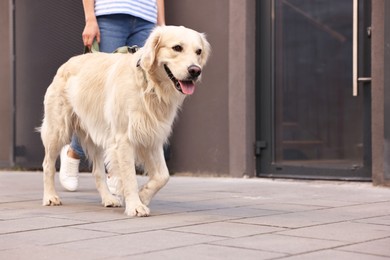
{"x": 198, "y": 218}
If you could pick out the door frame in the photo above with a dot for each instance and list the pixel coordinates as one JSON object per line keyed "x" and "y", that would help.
{"x": 265, "y": 121}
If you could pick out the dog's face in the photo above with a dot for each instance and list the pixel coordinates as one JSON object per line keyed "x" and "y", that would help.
{"x": 177, "y": 54}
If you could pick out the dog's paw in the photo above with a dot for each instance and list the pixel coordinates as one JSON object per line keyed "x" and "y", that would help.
{"x": 51, "y": 201}
{"x": 112, "y": 202}
{"x": 139, "y": 210}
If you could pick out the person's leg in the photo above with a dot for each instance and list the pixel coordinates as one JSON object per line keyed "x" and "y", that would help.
{"x": 113, "y": 34}
{"x": 113, "y": 31}
{"x": 123, "y": 30}
{"x": 140, "y": 30}
{"x": 76, "y": 151}
{"x": 70, "y": 160}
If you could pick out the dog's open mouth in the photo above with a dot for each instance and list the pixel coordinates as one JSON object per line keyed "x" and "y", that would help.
{"x": 184, "y": 86}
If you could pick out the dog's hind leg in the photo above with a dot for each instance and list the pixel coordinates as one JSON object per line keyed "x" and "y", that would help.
{"x": 56, "y": 130}
{"x": 50, "y": 197}
{"x": 52, "y": 142}
{"x": 158, "y": 173}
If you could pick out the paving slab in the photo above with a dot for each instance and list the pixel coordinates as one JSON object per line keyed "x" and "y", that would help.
{"x": 288, "y": 245}
{"x": 210, "y": 252}
{"x": 380, "y": 247}
{"x": 198, "y": 218}
{"x": 347, "y": 231}
{"x": 335, "y": 254}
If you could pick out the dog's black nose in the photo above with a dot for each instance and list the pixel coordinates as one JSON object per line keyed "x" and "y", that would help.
{"x": 194, "y": 71}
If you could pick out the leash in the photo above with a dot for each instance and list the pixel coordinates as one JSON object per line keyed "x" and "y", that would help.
{"x": 94, "y": 47}
{"x": 127, "y": 49}
{"x": 124, "y": 49}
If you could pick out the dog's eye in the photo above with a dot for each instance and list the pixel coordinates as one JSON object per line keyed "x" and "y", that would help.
{"x": 198, "y": 52}
{"x": 177, "y": 48}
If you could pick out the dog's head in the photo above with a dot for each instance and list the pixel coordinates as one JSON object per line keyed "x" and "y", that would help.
{"x": 176, "y": 54}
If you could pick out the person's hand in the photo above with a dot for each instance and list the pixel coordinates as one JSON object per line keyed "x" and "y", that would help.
{"x": 91, "y": 31}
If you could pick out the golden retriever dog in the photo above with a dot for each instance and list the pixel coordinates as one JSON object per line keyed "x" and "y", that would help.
{"x": 122, "y": 106}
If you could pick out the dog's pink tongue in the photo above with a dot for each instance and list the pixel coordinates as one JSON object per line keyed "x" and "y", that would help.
{"x": 188, "y": 87}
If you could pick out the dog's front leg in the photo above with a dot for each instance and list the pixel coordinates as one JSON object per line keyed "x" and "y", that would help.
{"x": 108, "y": 200}
{"x": 125, "y": 159}
{"x": 158, "y": 173}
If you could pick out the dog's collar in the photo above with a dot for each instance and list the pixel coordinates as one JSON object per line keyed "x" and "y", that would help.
{"x": 127, "y": 49}
{"x": 133, "y": 49}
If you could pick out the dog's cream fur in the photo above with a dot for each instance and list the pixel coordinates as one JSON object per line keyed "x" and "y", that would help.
{"x": 121, "y": 106}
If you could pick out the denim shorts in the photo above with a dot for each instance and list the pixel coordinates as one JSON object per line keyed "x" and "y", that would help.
{"x": 119, "y": 30}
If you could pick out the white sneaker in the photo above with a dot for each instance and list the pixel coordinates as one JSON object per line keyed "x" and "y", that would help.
{"x": 113, "y": 184}
{"x": 69, "y": 170}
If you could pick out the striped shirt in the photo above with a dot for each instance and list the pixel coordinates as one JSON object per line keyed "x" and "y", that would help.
{"x": 145, "y": 9}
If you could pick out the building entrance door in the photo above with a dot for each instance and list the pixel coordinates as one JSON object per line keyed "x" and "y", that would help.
{"x": 313, "y": 121}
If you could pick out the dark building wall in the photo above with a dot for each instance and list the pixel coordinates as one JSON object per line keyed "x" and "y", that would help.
{"x": 47, "y": 33}
{"x": 386, "y": 96}
{"x": 215, "y": 131}
{"x": 6, "y": 88}
{"x": 380, "y": 92}
{"x": 199, "y": 142}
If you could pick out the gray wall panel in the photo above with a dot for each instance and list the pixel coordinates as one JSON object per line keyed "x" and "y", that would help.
{"x": 47, "y": 33}
{"x": 6, "y": 96}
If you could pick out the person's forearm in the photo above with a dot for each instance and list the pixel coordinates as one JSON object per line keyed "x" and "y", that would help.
{"x": 91, "y": 29}
{"x": 160, "y": 12}
{"x": 89, "y": 10}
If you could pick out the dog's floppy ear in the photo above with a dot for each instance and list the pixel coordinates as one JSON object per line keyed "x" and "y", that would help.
{"x": 150, "y": 49}
{"x": 206, "y": 48}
